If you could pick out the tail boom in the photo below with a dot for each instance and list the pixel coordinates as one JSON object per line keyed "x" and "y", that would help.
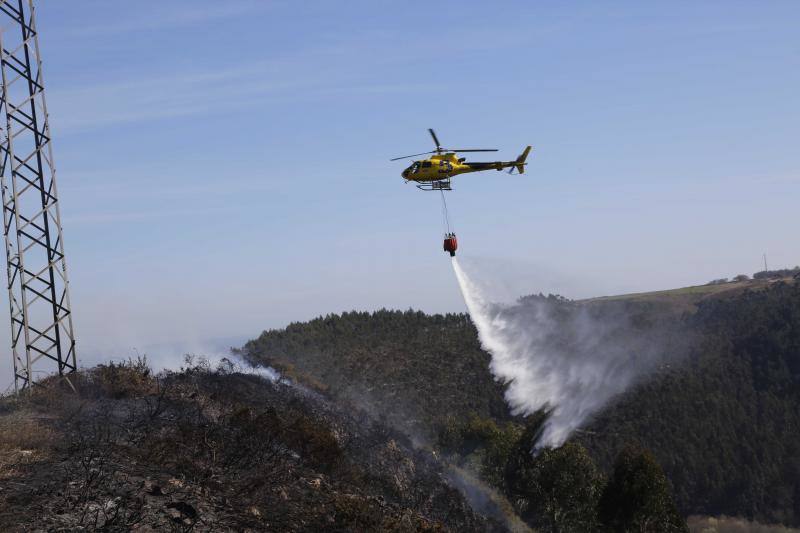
{"x": 520, "y": 162}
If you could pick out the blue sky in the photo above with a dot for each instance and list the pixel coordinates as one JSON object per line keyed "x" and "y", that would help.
{"x": 223, "y": 166}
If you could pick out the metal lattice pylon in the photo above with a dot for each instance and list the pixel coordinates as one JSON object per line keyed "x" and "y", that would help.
{"x": 42, "y": 338}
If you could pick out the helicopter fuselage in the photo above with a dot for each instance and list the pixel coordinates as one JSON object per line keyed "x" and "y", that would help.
{"x": 443, "y": 166}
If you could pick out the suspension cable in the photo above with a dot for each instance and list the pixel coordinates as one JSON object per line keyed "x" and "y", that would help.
{"x": 445, "y": 216}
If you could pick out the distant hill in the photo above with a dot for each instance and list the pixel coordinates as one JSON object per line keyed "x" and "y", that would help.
{"x": 725, "y": 423}
{"x": 722, "y": 419}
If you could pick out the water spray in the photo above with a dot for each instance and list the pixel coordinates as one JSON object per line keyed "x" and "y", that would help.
{"x": 557, "y": 357}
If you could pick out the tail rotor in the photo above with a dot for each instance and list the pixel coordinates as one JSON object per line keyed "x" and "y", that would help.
{"x": 519, "y": 164}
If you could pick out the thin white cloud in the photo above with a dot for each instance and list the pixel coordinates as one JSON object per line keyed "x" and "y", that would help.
{"x": 116, "y": 185}
{"x": 332, "y": 67}
{"x": 165, "y": 15}
{"x": 135, "y": 216}
{"x": 203, "y": 93}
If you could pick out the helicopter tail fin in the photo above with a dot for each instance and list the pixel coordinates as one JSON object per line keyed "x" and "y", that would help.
{"x": 520, "y": 162}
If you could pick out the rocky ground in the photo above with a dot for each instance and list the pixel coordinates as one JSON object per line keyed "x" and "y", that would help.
{"x": 204, "y": 450}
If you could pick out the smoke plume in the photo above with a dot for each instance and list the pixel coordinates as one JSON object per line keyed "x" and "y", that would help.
{"x": 566, "y": 358}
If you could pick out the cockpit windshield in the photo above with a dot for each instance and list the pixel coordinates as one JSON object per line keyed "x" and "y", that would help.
{"x": 413, "y": 169}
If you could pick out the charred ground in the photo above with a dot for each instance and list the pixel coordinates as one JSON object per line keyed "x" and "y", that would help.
{"x": 214, "y": 450}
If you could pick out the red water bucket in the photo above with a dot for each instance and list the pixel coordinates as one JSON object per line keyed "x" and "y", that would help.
{"x": 451, "y": 244}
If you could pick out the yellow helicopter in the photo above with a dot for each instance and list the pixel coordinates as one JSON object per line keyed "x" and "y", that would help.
{"x": 434, "y": 173}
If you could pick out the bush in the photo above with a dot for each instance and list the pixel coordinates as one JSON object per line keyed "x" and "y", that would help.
{"x": 492, "y": 443}
{"x": 777, "y": 274}
{"x": 557, "y": 490}
{"x": 638, "y": 498}
{"x": 128, "y": 379}
{"x": 314, "y": 442}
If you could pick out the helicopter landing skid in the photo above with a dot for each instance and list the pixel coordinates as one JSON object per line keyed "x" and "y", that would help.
{"x": 438, "y": 185}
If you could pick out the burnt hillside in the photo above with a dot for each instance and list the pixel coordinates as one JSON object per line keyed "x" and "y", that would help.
{"x": 204, "y": 450}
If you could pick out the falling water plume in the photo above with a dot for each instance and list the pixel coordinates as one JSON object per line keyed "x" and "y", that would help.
{"x": 559, "y": 356}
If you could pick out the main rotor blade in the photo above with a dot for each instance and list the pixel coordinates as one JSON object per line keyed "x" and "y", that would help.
{"x": 435, "y": 139}
{"x": 412, "y": 155}
{"x": 470, "y": 150}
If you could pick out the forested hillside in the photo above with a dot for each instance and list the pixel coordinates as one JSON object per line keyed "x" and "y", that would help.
{"x": 721, "y": 417}
{"x": 414, "y": 369}
{"x": 724, "y": 424}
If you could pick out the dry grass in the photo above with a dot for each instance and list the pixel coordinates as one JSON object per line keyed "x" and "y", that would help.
{"x": 25, "y": 435}
{"x": 725, "y": 524}
{"x": 288, "y": 370}
{"x": 23, "y": 439}
{"x": 695, "y": 292}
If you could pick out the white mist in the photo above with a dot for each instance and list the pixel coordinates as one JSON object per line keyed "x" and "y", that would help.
{"x": 571, "y": 379}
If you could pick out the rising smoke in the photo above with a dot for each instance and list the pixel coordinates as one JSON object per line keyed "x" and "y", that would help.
{"x": 566, "y": 358}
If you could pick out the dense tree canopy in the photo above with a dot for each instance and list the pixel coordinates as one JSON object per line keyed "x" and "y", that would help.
{"x": 557, "y": 489}
{"x": 724, "y": 421}
{"x": 721, "y": 417}
{"x": 637, "y": 498}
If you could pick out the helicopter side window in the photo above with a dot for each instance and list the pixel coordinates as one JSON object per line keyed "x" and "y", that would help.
{"x": 426, "y": 164}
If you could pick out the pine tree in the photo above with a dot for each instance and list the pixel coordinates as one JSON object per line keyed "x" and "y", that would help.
{"x": 638, "y": 497}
